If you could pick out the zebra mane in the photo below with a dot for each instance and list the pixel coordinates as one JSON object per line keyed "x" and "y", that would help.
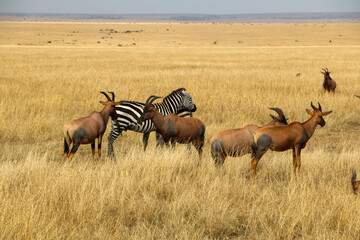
{"x": 174, "y": 92}
{"x": 129, "y": 101}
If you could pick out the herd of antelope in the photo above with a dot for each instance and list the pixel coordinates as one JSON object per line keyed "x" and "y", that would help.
{"x": 277, "y": 135}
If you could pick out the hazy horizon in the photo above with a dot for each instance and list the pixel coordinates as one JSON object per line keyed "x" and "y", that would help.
{"x": 174, "y": 7}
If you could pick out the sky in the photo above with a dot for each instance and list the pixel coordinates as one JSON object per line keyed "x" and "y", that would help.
{"x": 177, "y": 6}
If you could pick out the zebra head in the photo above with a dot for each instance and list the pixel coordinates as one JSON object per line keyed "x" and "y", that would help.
{"x": 181, "y": 99}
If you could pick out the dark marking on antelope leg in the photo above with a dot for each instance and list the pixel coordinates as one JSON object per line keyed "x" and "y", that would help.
{"x": 200, "y": 141}
{"x": 217, "y": 152}
{"x": 303, "y": 140}
{"x": 298, "y": 158}
{"x": 201, "y": 131}
{"x": 66, "y": 150}
{"x": 200, "y": 146}
{"x": 79, "y": 134}
{"x": 93, "y": 148}
{"x": 171, "y": 128}
{"x": 159, "y": 140}
{"x": 253, "y": 148}
{"x": 173, "y": 142}
{"x": 261, "y": 146}
{"x": 99, "y": 146}
{"x": 75, "y": 147}
{"x": 294, "y": 160}
{"x": 66, "y": 147}
{"x": 263, "y": 143}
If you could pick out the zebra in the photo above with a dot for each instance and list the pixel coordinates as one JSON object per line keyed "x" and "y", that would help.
{"x": 177, "y": 102}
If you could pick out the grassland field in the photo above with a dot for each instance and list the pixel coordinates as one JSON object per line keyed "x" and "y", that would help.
{"x": 51, "y": 73}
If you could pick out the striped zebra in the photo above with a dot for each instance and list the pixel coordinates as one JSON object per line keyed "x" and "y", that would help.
{"x": 177, "y": 102}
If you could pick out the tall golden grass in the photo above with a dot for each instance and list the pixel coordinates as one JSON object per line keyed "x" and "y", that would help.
{"x": 161, "y": 193}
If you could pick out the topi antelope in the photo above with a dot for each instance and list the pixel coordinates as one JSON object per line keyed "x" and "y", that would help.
{"x": 85, "y": 130}
{"x": 281, "y": 138}
{"x": 355, "y": 183}
{"x": 175, "y": 128}
{"x": 237, "y": 142}
{"x": 329, "y": 84}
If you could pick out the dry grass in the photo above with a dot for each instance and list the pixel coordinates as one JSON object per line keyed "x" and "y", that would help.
{"x": 162, "y": 194}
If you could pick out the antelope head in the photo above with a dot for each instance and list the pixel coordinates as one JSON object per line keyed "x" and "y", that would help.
{"x": 110, "y": 102}
{"x": 318, "y": 114}
{"x": 280, "y": 118}
{"x": 149, "y": 109}
{"x": 326, "y": 74}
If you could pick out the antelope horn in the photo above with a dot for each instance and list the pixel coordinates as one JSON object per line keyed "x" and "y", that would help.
{"x": 151, "y": 99}
{"x": 323, "y": 69}
{"x": 357, "y": 96}
{"x": 327, "y": 69}
{"x": 113, "y": 95}
{"x": 319, "y": 107}
{"x": 278, "y": 110}
{"x": 312, "y": 105}
{"x": 107, "y": 96}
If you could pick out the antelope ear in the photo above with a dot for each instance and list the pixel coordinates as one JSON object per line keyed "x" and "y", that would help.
{"x": 326, "y": 113}
{"x": 308, "y": 111}
{"x": 103, "y": 103}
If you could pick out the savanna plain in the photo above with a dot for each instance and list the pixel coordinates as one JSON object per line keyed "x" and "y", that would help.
{"x": 51, "y": 73}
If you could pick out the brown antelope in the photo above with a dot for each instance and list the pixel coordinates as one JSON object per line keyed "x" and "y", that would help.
{"x": 281, "y": 138}
{"x": 329, "y": 84}
{"x": 86, "y": 129}
{"x": 355, "y": 183}
{"x": 174, "y": 128}
{"x": 237, "y": 142}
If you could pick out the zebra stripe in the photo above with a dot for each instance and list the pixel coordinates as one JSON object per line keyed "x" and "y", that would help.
{"x": 177, "y": 102}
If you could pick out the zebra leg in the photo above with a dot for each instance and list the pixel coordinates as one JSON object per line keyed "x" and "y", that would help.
{"x": 111, "y": 138}
{"x": 145, "y": 140}
{"x": 159, "y": 140}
